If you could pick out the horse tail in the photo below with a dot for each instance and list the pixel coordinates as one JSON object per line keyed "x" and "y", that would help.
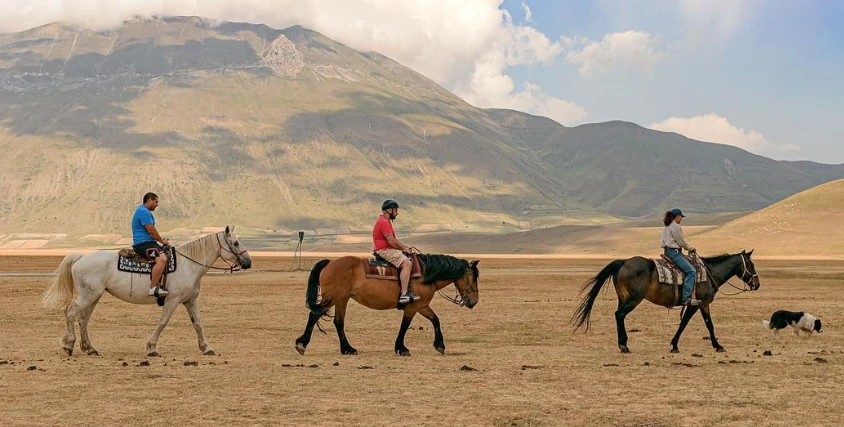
{"x": 60, "y": 292}
{"x": 312, "y": 294}
{"x": 594, "y": 285}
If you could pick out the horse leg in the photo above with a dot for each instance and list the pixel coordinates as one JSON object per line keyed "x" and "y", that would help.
{"x": 401, "y": 350}
{"x": 81, "y": 305}
{"x": 166, "y": 312}
{"x": 85, "y": 342}
{"x": 339, "y": 324}
{"x": 305, "y": 339}
{"x": 707, "y": 319}
{"x": 192, "y": 306}
{"x": 690, "y": 311}
{"x": 439, "y": 343}
{"x": 624, "y": 308}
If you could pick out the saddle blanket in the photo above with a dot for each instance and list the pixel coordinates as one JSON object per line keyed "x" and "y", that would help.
{"x": 135, "y": 264}
{"x": 670, "y": 274}
{"x": 376, "y": 269}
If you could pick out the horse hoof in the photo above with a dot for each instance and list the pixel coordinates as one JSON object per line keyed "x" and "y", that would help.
{"x": 350, "y": 351}
{"x": 68, "y": 351}
{"x": 300, "y": 348}
{"x": 209, "y": 352}
{"x": 675, "y": 350}
{"x": 440, "y": 349}
{"x": 153, "y": 353}
{"x": 403, "y": 353}
{"x": 93, "y": 352}
{"x": 720, "y": 350}
{"x": 624, "y": 349}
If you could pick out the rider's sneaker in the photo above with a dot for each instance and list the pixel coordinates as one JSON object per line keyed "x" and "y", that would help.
{"x": 412, "y": 296}
{"x": 691, "y": 302}
{"x": 404, "y": 299}
{"x": 161, "y": 292}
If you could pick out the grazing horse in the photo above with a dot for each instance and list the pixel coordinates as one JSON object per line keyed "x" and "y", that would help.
{"x": 90, "y": 275}
{"x": 636, "y": 279}
{"x": 345, "y": 278}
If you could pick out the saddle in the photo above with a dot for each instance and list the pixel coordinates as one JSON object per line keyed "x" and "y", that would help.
{"x": 131, "y": 262}
{"x": 669, "y": 274}
{"x": 379, "y": 268}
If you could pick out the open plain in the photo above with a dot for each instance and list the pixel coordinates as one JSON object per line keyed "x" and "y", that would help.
{"x": 511, "y": 361}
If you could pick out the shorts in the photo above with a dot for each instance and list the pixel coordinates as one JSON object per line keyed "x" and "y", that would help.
{"x": 145, "y": 248}
{"x": 393, "y": 256}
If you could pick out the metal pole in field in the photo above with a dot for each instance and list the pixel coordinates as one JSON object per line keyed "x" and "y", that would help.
{"x": 297, "y": 254}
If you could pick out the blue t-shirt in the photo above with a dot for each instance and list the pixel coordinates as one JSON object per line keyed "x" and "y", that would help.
{"x": 142, "y": 217}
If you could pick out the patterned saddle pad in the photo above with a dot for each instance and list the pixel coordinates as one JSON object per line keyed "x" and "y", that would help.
{"x": 670, "y": 274}
{"x": 129, "y": 261}
{"x": 377, "y": 269}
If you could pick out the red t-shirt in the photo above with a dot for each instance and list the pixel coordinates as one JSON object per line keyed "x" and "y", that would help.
{"x": 383, "y": 228}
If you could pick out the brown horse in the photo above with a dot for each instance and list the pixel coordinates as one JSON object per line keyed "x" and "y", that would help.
{"x": 345, "y": 278}
{"x": 636, "y": 279}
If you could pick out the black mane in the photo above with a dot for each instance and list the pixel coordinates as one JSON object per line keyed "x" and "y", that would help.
{"x": 437, "y": 267}
{"x": 718, "y": 258}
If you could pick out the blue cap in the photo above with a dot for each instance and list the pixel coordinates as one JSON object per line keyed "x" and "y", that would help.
{"x": 677, "y": 212}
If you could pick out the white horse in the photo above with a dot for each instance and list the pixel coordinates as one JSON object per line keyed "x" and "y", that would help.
{"x": 92, "y": 274}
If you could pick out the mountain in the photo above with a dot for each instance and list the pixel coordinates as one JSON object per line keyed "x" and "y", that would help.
{"x": 285, "y": 129}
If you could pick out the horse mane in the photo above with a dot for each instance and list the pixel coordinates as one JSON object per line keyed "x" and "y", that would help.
{"x": 718, "y": 258}
{"x": 437, "y": 267}
{"x": 197, "y": 248}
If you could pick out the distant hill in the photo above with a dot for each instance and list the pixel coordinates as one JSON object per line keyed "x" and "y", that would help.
{"x": 808, "y": 223}
{"x": 287, "y": 129}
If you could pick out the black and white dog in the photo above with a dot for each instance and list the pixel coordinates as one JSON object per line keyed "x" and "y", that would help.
{"x": 798, "y": 320}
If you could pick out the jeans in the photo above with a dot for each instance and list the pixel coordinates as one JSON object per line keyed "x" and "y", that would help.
{"x": 684, "y": 264}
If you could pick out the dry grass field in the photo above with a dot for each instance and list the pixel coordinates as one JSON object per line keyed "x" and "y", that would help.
{"x": 528, "y": 368}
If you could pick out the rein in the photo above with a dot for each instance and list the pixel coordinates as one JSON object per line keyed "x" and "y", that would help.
{"x": 459, "y": 300}
{"x": 741, "y": 290}
{"x": 232, "y": 267}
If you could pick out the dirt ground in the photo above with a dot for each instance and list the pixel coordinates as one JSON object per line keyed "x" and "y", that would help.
{"x": 528, "y": 368}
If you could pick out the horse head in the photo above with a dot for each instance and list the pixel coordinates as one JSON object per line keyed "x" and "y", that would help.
{"x": 232, "y": 251}
{"x": 749, "y": 275}
{"x": 468, "y": 284}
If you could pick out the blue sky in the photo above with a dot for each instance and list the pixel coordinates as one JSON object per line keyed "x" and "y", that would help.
{"x": 774, "y": 67}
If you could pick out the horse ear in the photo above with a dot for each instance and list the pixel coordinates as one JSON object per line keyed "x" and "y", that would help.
{"x": 749, "y": 254}
{"x": 227, "y": 230}
{"x": 475, "y": 263}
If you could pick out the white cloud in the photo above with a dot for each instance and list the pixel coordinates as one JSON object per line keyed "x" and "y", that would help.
{"x": 714, "y": 128}
{"x": 466, "y": 46}
{"x": 715, "y": 18}
{"x": 528, "y": 13}
{"x": 636, "y": 49}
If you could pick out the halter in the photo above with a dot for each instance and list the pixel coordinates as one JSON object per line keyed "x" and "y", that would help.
{"x": 232, "y": 267}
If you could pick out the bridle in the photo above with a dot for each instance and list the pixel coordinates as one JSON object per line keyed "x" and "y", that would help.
{"x": 232, "y": 267}
{"x": 460, "y": 299}
{"x": 747, "y": 286}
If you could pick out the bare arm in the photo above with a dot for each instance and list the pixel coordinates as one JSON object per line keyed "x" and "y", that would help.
{"x": 396, "y": 244}
{"x": 154, "y": 233}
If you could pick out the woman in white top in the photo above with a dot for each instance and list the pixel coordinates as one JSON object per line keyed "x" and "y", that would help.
{"x": 673, "y": 242}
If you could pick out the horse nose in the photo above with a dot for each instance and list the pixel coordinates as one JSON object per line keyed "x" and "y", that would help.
{"x": 246, "y": 264}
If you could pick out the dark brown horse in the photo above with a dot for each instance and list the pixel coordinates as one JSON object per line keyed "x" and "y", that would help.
{"x": 636, "y": 279}
{"x": 344, "y": 278}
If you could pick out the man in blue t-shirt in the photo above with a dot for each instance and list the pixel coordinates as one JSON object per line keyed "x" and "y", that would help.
{"x": 145, "y": 239}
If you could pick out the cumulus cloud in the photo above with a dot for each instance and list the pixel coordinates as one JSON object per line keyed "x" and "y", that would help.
{"x": 714, "y": 128}
{"x": 636, "y": 49}
{"x": 466, "y": 46}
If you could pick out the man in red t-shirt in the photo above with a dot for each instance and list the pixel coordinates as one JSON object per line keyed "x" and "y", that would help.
{"x": 389, "y": 248}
